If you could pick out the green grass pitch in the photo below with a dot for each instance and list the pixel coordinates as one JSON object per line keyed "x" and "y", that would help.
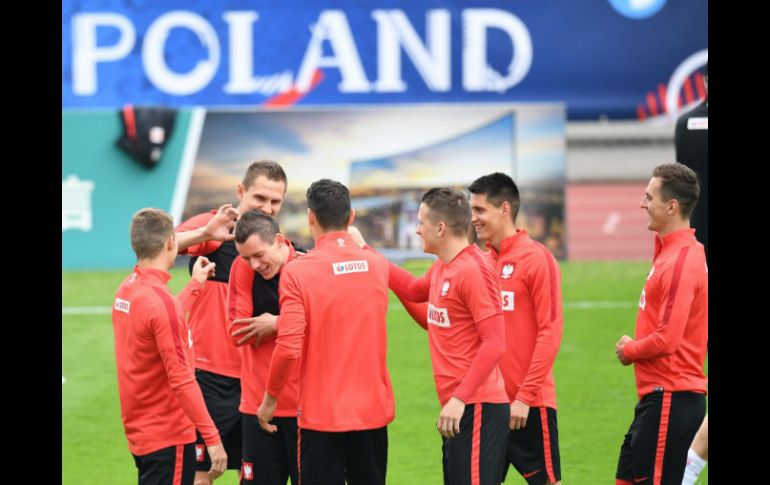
{"x": 595, "y": 393}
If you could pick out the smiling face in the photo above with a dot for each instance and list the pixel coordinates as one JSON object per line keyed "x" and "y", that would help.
{"x": 262, "y": 194}
{"x": 264, "y": 258}
{"x": 488, "y": 220}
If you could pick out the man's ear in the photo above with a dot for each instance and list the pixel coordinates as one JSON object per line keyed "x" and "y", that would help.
{"x": 352, "y": 217}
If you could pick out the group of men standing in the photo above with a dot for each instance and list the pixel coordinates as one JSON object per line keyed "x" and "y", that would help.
{"x": 290, "y": 345}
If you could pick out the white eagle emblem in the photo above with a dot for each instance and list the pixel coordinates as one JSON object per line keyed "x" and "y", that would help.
{"x": 445, "y": 288}
{"x": 507, "y": 271}
{"x": 340, "y": 241}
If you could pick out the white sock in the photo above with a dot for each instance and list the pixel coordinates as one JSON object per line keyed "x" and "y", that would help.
{"x": 694, "y": 466}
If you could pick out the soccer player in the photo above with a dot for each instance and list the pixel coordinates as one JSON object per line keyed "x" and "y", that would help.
{"x": 160, "y": 401}
{"x": 332, "y": 324}
{"x": 217, "y": 361}
{"x": 669, "y": 349}
{"x": 253, "y": 294}
{"x": 530, "y": 285}
{"x": 466, "y": 332}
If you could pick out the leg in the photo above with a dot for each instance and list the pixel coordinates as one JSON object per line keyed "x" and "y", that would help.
{"x": 534, "y": 449}
{"x": 477, "y": 454}
{"x": 222, "y": 396}
{"x": 321, "y": 458}
{"x": 366, "y": 456}
{"x": 491, "y": 442}
{"x": 262, "y": 454}
{"x": 698, "y": 455}
{"x": 175, "y": 465}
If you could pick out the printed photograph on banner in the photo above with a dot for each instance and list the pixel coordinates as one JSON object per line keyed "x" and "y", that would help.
{"x": 389, "y": 157}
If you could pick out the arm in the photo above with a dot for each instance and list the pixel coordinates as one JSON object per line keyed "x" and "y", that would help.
{"x": 174, "y": 353}
{"x": 202, "y": 270}
{"x": 678, "y": 292}
{"x": 481, "y": 293}
{"x": 408, "y": 287}
{"x": 545, "y": 287}
{"x": 492, "y": 334}
{"x": 418, "y": 312}
{"x": 216, "y": 229}
{"x": 288, "y": 346}
{"x": 242, "y": 327}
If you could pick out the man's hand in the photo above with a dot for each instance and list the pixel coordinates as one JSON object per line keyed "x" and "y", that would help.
{"x": 449, "y": 419}
{"x": 257, "y": 328}
{"x": 356, "y": 235}
{"x": 266, "y": 411}
{"x": 519, "y": 414}
{"x": 619, "y": 350}
{"x": 218, "y": 460}
{"x": 220, "y": 226}
{"x": 203, "y": 269}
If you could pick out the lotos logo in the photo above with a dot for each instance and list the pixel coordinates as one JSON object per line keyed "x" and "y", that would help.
{"x": 122, "y": 305}
{"x": 438, "y": 316}
{"x": 346, "y": 267}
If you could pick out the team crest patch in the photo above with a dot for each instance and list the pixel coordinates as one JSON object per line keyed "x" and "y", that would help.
{"x": 340, "y": 242}
{"x": 199, "y": 453}
{"x": 643, "y": 300}
{"x": 122, "y": 305}
{"x": 445, "y": 288}
{"x": 248, "y": 471}
{"x": 507, "y": 271}
{"x": 438, "y": 316}
{"x": 345, "y": 267}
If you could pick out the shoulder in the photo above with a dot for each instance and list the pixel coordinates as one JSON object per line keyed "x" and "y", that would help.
{"x": 150, "y": 302}
{"x": 539, "y": 255}
{"x": 477, "y": 265}
{"x": 241, "y": 269}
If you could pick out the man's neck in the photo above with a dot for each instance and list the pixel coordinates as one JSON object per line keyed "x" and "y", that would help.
{"x": 502, "y": 235}
{"x": 673, "y": 227}
{"x": 451, "y": 248}
{"x": 318, "y": 232}
{"x": 160, "y": 263}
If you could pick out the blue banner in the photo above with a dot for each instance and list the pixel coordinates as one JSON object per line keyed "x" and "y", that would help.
{"x": 615, "y": 59}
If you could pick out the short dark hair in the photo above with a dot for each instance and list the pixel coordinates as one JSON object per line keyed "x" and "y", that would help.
{"x": 498, "y": 188}
{"x": 678, "y": 182}
{"x": 330, "y": 202}
{"x": 255, "y": 223}
{"x": 267, "y": 168}
{"x": 150, "y": 229}
{"x": 450, "y": 206}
